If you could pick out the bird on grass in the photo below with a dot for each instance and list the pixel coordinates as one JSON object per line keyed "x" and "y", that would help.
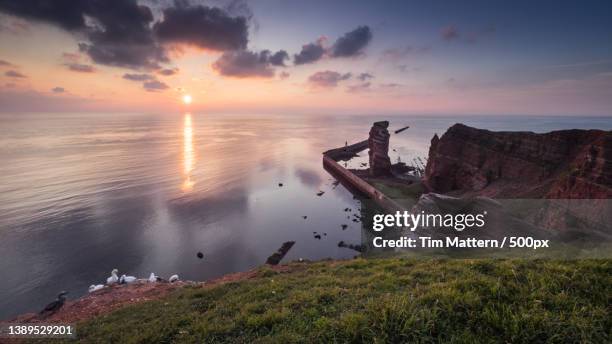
{"x": 127, "y": 279}
{"x": 113, "y": 278}
{"x": 54, "y": 306}
{"x": 96, "y": 287}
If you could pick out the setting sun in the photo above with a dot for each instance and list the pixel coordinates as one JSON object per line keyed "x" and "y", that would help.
{"x": 187, "y": 99}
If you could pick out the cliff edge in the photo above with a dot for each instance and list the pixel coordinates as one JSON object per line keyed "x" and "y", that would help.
{"x": 568, "y": 164}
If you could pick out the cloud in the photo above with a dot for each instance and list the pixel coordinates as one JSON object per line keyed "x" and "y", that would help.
{"x": 168, "y": 71}
{"x": 118, "y": 34}
{"x": 66, "y": 14}
{"x": 58, "y": 90}
{"x": 363, "y": 87}
{"x": 246, "y": 63}
{"x": 206, "y": 27}
{"x": 14, "y": 74}
{"x": 449, "y": 33}
{"x": 284, "y": 75}
{"x": 327, "y": 79}
{"x": 138, "y": 77}
{"x": 278, "y": 58}
{"x": 154, "y": 85}
{"x": 352, "y": 43}
{"x": 13, "y": 26}
{"x": 310, "y": 52}
{"x": 6, "y": 63}
{"x": 125, "y": 33}
{"x": 365, "y": 76}
{"x": 397, "y": 54}
{"x": 391, "y": 85}
{"x": 79, "y": 67}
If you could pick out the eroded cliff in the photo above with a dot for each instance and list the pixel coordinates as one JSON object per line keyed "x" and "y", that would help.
{"x": 568, "y": 164}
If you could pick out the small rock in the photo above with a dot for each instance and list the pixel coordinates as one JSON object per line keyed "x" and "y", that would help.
{"x": 344, "y": 226}
{"x": 304, "y": 217}
{"x": 318, "y": 236}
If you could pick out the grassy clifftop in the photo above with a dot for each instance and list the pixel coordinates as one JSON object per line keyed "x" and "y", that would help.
{"x": 380, "y": 300}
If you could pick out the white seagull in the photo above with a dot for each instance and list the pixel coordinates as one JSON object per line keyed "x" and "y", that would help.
{"x": 127, "y": 279}
{"x": 152, "y": 278}
{"x": 95, "y": 287}
{"x": 113, "y": 278}
{"x": 173, "y": 278}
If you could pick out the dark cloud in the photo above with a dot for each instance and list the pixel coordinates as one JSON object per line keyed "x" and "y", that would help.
{"x": 310, "y": 52}
{"x": 118, "y": 32}
{"x": 206, "y": 27}
{"x": 154, "y": 85}
{"x": 66, "y": 14}
{"x": 6, "y": 63}
{"x": 278, "y": 58}
{"x": 245, "y": 63}
{"x": 365, "y": 76}
{"x": 327, "y": 79}
{"x": 14, "y": 74}
{"x": 125, "y": 39}
{"x": 168, "y": 71}
{"x": 58, "y": 90}
{"x": 79, "y": 67}
{"x": 449, "y": 33}
{"x": 363, "y": 87}
{"x": 138, "y": 77}
{"x": 352, "y": 43}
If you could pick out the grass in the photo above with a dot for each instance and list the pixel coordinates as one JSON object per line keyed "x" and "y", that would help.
{"x": 389, "y": 300}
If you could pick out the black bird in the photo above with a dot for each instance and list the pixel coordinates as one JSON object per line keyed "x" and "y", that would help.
{"x": 318, "y": 236}
{"x": 344, "y": 226}
{"x": 54, "y": 306}
{"x": 280, "y": 185}
{"x": 200, "y": 255}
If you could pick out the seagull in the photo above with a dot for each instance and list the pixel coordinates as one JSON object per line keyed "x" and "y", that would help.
{"x": 153, "y": 278}
{"x": 95, "y": 287}
{"x": 113, "y": 278}
{"x": 127, "y": 279}
{"x": 173, "y": 278}
{"x": 54, "y": 306}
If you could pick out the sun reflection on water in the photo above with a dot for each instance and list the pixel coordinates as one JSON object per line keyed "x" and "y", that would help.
{"x": 188, "y": 155}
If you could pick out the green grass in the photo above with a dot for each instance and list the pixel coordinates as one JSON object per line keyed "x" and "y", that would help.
{"x": 406, "y": 195}
{"x": 388, "y": 300}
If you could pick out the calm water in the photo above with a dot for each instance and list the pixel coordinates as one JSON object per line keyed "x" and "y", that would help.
{"x": 83, "y": 194}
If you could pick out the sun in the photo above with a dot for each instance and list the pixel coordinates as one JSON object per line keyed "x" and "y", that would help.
{"x": 187, "y": 99}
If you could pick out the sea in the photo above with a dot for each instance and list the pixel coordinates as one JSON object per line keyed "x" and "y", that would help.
{"x": 82, "y": 194}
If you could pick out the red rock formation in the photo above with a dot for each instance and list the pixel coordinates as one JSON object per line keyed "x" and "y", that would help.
{"x": 378, "y": 142}
{"x": 572, "y": 164}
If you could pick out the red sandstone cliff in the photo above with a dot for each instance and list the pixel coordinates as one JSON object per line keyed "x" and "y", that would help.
{"x": 572, "y": 164}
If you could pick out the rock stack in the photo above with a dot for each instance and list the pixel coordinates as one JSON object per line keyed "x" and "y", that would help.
{"x": 378, "y": 142}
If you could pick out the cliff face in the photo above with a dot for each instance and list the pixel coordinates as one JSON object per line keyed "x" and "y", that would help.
{"x": 574, "y": 164}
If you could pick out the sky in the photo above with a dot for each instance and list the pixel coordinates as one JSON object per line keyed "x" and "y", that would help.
{"x": 307, "y": 57}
